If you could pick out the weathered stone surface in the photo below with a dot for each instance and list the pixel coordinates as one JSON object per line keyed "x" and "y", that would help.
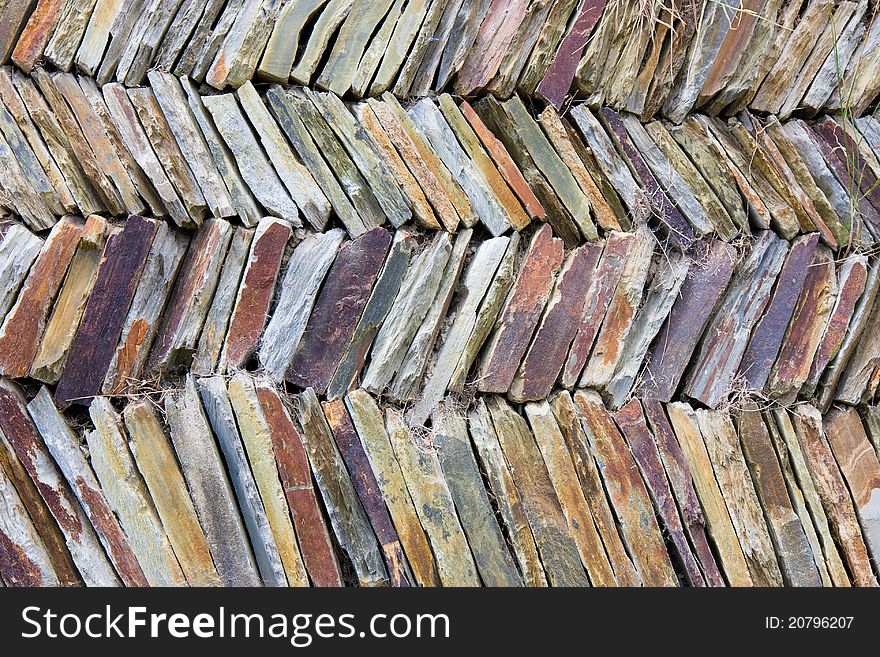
{"x": 322, "y": 31}
{"x": 347, "y": 516}
{"x": 338, "y": 309}
{"x": 297, "y": 293}
{"x": 82, "y": 542}
{"x": 667, "y": 276}
{"x": 558, "y": 550}
{"x": 243, "y": 200}
{"x": 621, "y": 313}
{"x": 682, "y": 485}
{"x": 858, "y": 462}
{"x": 413, "y": 302}
{"x": 93, "y": 346}
{"x": 851, "y": 282}
{"x": 256, "y": 436}
{"x": 199, "y": 53}
{"x": 633, "y": 425}
{"x": 65, "y": 447}
{"x": 315, "y": 544}
{"x": 296, "y": 178}
{"x": 805, "y": 330}
{"x": 433, "y": 502}
{"x": 128, "y": 496}
{"x": 142, "y": 321}
{"x": 497, "y": 31}
{"x": 97, "y": 34}
{"x": 859, "y": 354}
{"x": 812, "y": 514}
{"x": 367, "y": 488}
{"x": 255, "y": 293}
{"x": 718, "y": 521}
{"x": 36, "y": 33}
{"x": 215, "y": 400}
{"x": 24, "y": 323}
{"x": 508, "y": 168}
{"x": 158, "y": 466}
{"x": 25, "y": 561}
{"x": 722, "y": 446}
{"x": 385, "y": 291}
{"x": 168, "y": 153}
{"x": 475, "y": 284}
{"x": 239, "y": 54}
{"x": 627, "y": 493}
{"x": 213, "y": 335}
{"x": 720, "y": 352}
{"x": 71, "y": 301}
{"x": 507, "y": 498}
{"x": 283, "y": 43}
{"x": 388, "y": 47}
{"x": 833, "y": 493}
{"x": 414, "y": 195}
{"x": 491, "y": 554}
{"x": 706, "y": 281}
{"x": 789, "y": 538}
{"x": 559, "y": 325}
{"x": 429, "y": 119}
{"x": 171, "y": 98}
{"x": 253, "y": 164}
{"x": 209, "y": 487}
{"x": 18, "y": 250}
{"x": 190, "y": 300}
{"x": 367, "y": 419}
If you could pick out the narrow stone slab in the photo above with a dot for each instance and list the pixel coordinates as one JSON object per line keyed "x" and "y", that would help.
{"x": 367, "y": 488}
{"x": 720, "y": 352}
{"x": 722, "y": 446}
{"x": 36, "y": 33}
{"x": 296, "y": 178}
{"x": 255, "y": 293}
{"x": 558, "y": 550}
{"x": 632, "y": 423}
{"x": 24, "y": 323}
{"x": 25, "y": 559}
{"x": 298, "y": 292}
{"x": 559, "y": 325}
{"x": 620, "y": 316}
{"x": 718, "y": 520}
{"x": 68, "y": 308}
{"x": 255, "y": 434}
{"x": 94, "y": 344}
{"x": 171, "y": 98}
{"x": 833, "y": 493}
{"x": 19, "y": 248}
{"x": 97, "y": 34}
{"x": 666, "y": 278}
{"x": 80, "y": 538}
{"x": 347, "y": 516}
{"x": 475, "y": 284}
{"x": 215, "y": 400}
{"x": 434, "y": 504}
{"x": 367, "y": 419}
{"x": 858, "y": 462}
{"x": 385, "y": 291}
{"x": 284, "y": 41}
{"x": 157, "y": 464}
{"x": 128, "y": 496}
{"x": 412, "y": 304}
{"x": 490, "y": 551}
{"x": 851, "y": 283}
{"x": 213, "y": 335}
{"x": 314, "y": 539}
{"x": 253, "y": 164}
{"x": 168, "y": 152}
{"x": 209, "y": 487}
{"x": 682, "y": 484}
{"x": 602, "y": 287}
{"x": 349, "y": 281}
{"x": 706, "y": 281}
{"x": 65, "y": 447}
{"x": 789, "y": 538}
{"x": 190, "y": 299}
{"x": 142, "y": 321}
{"x": 239, "y": 54}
